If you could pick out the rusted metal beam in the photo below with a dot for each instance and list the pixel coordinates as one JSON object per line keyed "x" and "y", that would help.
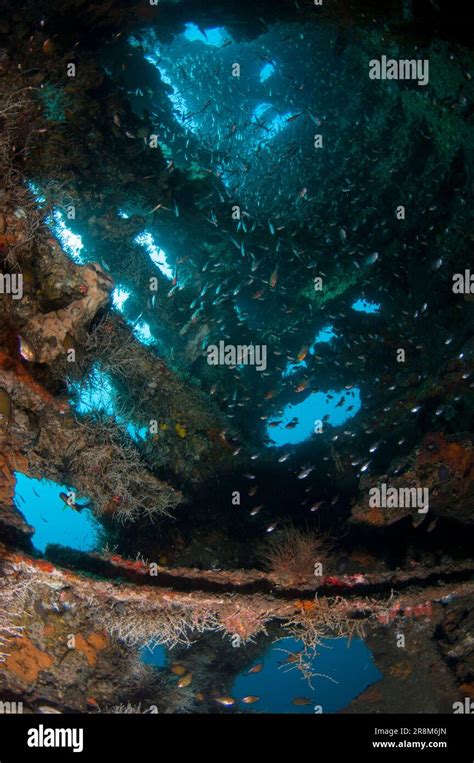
{"x": 185, "y": 579}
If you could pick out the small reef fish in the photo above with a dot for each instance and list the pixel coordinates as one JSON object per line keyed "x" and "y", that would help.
{"x": 274, "y": 278}
{"x": 305, "y": 472}
{"x": 301, "y": 701}
{"x": 226, "y": 701}
{"x": 292, "y": 658}
{"x": 250, "y": 699}
{"x": 256, "y": 668}
{"x": 178, "y": 670}
{"x": 70, "y": 501}
{"x": 180, "y": 430}
{"x": 303, "y": 353}
{"x": 301, "y": 387}
{"x": 26, "y": 350}
{"x": 185, "y": 681}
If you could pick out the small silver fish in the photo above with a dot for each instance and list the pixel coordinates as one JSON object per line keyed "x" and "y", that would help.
{"x": 372, "y": 258}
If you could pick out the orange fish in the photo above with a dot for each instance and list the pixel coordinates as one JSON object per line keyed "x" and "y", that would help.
{"x": 292, "y": 658}
{"x": 301, "y": 701}
{"x": 274, "y": 278}
{"x": 185, "y": 681}
{"x": 303, "y": 352}
{"x": 250, "y": 699}
{"x": 226, "y": 701}
{"x": 178, "y": 670}
{"x": 256, "y": 668}
{"x": 302, "y": 386}
{"x": 258, "y": 294}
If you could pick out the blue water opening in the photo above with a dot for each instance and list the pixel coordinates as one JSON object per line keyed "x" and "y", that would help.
{"x": 266, "y": 72}
{"x": 273, "y": 126}
{"x": 313, "y": 409}
{"x": 142, "y": 332}
{"x": 363, "y": 306}
{"x": 156, "y": 254}
{"x": 98, "y": 395}
{"x": 325, "y": 335}
{"x": 71, "y": 242}
{"x": 53, "y": 520}
{"x": 349, "y": 668}
{"x": 119, "y": 297}
{"x": 215, "y": 36}
{"x": 155, "y": 655}
{"x": 292, "y": 368}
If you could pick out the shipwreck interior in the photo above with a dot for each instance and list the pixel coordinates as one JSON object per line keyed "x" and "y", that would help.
{"x": 236, "y": 353}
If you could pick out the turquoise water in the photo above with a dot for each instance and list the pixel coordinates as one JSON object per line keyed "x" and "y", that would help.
{"x": 97, "y": 395}
{"x": 348, "y": 670}
{"x": 363, "y": 306}
{"x": 215, "y": 36}
{"x": 310, "y": 410}
{"x": 54, "y": 522}
{"x": 155, "y": 656}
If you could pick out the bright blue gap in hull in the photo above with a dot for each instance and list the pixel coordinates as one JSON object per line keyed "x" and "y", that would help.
{"x": 119, "y": 297}
{"x": 325, "y": 335}
{"x": 349, "y": 664}
{"x": 216, "y": 36}
{"x": 53, "y": 520}
{"x": 156, "y": 254}
{"x": 155, "y": 655}
{"x": 273, "y": 126}
{"x": 97, "y": 395}
{"x": 363, "y": 306}
{"x": 266, "y": 72}
{"x": 313, "y": 409}
{"x": 71, "y": 242}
